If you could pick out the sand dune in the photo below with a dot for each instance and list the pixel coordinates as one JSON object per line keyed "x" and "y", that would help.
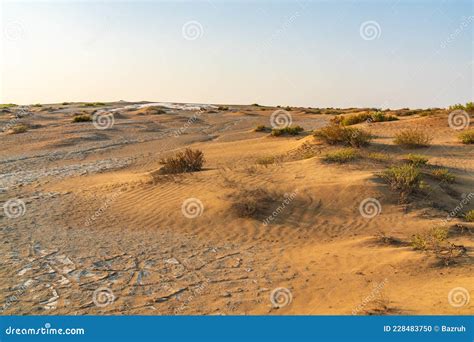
{"x": 98, "y": 217}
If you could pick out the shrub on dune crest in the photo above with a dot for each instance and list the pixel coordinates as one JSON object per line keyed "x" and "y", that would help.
{"x": 187, "y": 161}
{"x": 292, "y": 130}
{"x": 412, "y": 138}
{"x": 405, "y": 179}
{"x": 467, "y": 137}
{"x": 342, "y": 156}
{"x": 349, "y": 136}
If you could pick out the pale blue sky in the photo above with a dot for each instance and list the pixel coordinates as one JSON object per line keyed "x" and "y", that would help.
{"x": 306, "y": 53}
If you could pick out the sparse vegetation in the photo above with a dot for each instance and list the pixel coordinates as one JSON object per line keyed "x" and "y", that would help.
{"x": 187, "y": 161}
{"x": 412, "y": 138}
{"x": 93, "y": 104}
{"x": 467, "y": 137}
{"x": 368, "y": 117}
{"x": 436, "y": 241}
{"x": 291, "y": 130}
{"x": 255, "y": 105}
{"x": 18, "y": 128}
{"x": 266, "y": 160}
{"x": 405, "y": 179}
{"x": 251, "y": 203}
{"x": 468, "y": 107}
{"x": 262, "y": 128}
{"x": 341, "y": 156}
{"x": 349, "y": 136}
{"x": 378, "y": 156}
{"x": 82, "y": 118}
{"x": 66, "y": 103}
{"x": 7, "y": 105}
{"x": 39, "y": 105}
{"x": 444, "y": 175}
{"x": 223, "y": 108}
{"x": 469, "y": 216}
{"x": 417, "y": 159}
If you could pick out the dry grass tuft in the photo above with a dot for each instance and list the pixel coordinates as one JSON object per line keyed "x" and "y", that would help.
{"x": 349, "y": 136}
{"x": 187, "y": 161}
{"x": 412, "y": 138}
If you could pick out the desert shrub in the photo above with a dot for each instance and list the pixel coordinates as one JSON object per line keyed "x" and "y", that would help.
{"x": 38, "y": 105}
{"x": 255, "y": 105}
{"x": 419, "y": 242}
{"x": 254, "y": 203}
{"x": 412, "y": 138}
{"x": 369, "y": 117}
{"x": 444, "y": 175}
{"x": 7, "y": 105}
{"x": 266, "y": 160}
{"x": 18, "y": 128}
{"x": 468, "y": 107}
{"x": 342, "y": 156}
{"x": 405, "y": 179}
{"x": 222, "y": 108}
{"x": 467, "y": 137}
{"x": 66, "y": 103}
{"x": 93, "y": 104}
{"x": 262, "y": 128}
{"x": 187, "y": 161}
{"x": 82, "y": 118}
{"x": 288, "y": 108}
{"x": 469, "y": 216}
{"x": 378, "y": 156}
{"x": 349, "y": 136}
{"x": 291, "y": 130}
{"x": 417, "y": 159}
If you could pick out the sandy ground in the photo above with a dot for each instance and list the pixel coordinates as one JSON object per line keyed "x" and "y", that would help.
{"x": 101, "y": 233}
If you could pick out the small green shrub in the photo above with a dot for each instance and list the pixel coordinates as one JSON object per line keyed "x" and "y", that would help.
{"x": 419, "y": 242}
{"x": 349, "y": 136}
{"x": 17, "y": 129}
{"x": 417, "y": 159}
{"x": 262, "y": 128}
{"x": 93, "y": 104}
{"x": 469, "y": 216}
{"x": 467, "y": 137}
{"x": 187, "y": 161}
{"x": 341, "y": 156}
{"x": 444, "y": 175}
{"x": 7, "y": 105}
{"x": 412, "y": 138}
{"x": 266, "y": 160}
{"x": 378, "y": 156}
{"x": 405, "y": 179}
{"x": 291, "y": 130}
{"x": 82, "y": 118}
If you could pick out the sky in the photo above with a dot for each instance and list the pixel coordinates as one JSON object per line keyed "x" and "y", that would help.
{"x": 384, "y": 54}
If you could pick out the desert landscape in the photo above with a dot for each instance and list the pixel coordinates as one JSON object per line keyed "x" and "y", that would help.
{"x": 176, "y": 209}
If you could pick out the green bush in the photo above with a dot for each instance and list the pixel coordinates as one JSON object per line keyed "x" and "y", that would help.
{"x": 295, "y": 130}
{"x": 405, "y": 179}
{"x": 262, "y": 128}
{"x": 469, "y": 216}
{"x": 467, "y": 137}
{"x": 417, "y": 159}
{"x": 444, "y": 175}
{"x": 378, "y": 156}
{"x": 342, "y": 156}
{"x": 7, "y": 105}
{"x": 187, "y": 161}
{"x": 412, "y": 138}
{"x": 349, "y": 136}
{"x": 93, "y": 104}
{"x": 82, "y": 118}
